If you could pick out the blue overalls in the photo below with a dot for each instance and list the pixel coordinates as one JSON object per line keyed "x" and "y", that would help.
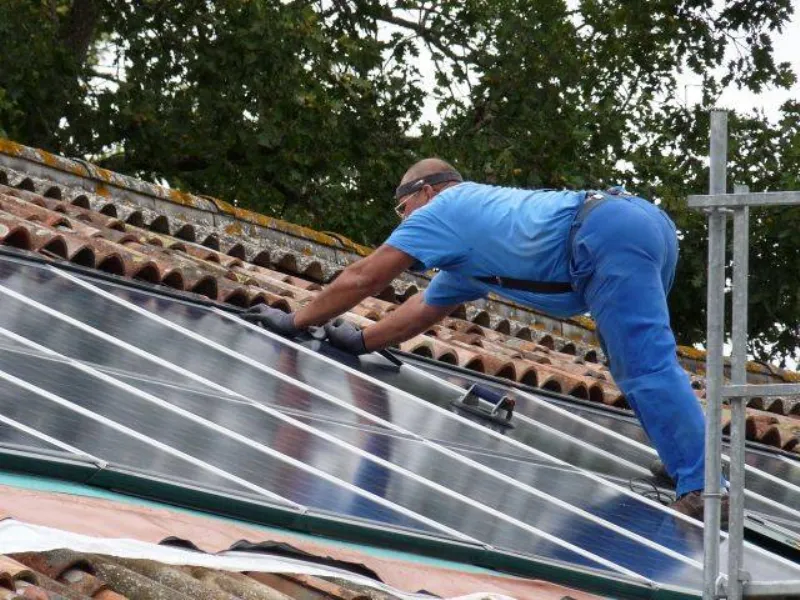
{"x": 621, "y": 267}
{"x": 623, "y": 261}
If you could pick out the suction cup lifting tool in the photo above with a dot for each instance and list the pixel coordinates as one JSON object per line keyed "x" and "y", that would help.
{"x": 488, "y": 404}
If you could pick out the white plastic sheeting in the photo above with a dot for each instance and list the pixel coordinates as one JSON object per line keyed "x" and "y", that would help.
{"x": 16, "y": 536}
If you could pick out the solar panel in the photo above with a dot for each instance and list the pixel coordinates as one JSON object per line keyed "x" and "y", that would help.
{"x": 186, "y": 392}
{"x": 230, "y": 337}
{"x": 119, "y": 323}
{"x": 772, "y": 479}
{"x": 154, "y": 421}
{"x": 548, "y": 429}
{"x": 21, "y": 315}
{"x": 24, "y": 403}
{"x": 290, "y": 440}
{"x": 15, "y": 435}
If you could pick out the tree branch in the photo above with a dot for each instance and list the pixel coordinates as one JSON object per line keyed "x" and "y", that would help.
{"x": 631, "y": 89}
{"x": 107, "y": 77}
{"x": 77, "y": 29}
{"x": 424, "y": 33}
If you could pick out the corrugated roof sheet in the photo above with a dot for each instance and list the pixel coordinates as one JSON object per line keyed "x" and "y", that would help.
{"x": 79, "y": 576}
{"x": 143, "y": 232}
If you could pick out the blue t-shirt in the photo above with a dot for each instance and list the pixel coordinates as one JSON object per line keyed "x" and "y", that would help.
{"x": 472, "y": 230}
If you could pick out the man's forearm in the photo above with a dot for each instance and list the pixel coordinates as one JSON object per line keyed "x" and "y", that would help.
{"x": 411, "y": 318}
{"x": 340, "y": 296}
{"x": 361, "y": 279}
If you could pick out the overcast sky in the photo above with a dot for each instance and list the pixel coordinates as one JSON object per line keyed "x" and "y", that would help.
{"x": 787, "y": 48}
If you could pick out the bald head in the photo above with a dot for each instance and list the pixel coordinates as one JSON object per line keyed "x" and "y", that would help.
{"x": 425, "y": 167}
{"x": 422, "y": 182}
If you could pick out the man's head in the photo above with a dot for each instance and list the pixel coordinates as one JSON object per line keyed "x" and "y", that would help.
{"x": 422, "y": 182}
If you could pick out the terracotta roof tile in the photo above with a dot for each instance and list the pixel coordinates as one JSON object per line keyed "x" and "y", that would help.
{"x": 79, "y": 576}
{"x": 17, "y": 580}
{"x": 235, "y": 584}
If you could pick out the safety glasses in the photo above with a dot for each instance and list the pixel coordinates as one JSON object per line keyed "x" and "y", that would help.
{"x": 406, "y": 191}
{"x": 400, "y": 209}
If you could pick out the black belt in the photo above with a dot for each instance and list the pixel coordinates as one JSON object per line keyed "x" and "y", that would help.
{"x": 539, "y": 287}
{"x": 592, "y": 201}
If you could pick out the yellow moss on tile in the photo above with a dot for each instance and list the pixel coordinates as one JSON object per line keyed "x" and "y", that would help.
{"x": 185, "y": 199}
{"x": 692, "y": 353}
{"x": 585, "y": 322}
{"x": 104, "y": 174}
{"x": 101, "y": 189}
{"x": 248, "y": 216}
{"x": 224, "y": 207}
{"x": 751, "y": 366}
{"x": 182, "y": 198}
{"x": 791, "y": 376}
{"x": 10, "y": 148}
{"x": 51, "y": 160}
{"x": 243, "y": 214}
{"x": 234, "y": 228}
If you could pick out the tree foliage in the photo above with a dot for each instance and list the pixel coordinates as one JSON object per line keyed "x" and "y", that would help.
{"x": 311, "y": 110}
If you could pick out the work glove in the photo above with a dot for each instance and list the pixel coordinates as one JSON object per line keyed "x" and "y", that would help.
{"x": 273, "y": 319}
{"x": 346, "y": 336}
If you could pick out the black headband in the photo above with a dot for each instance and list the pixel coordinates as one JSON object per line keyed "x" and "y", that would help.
{"x": 417, "y": 184}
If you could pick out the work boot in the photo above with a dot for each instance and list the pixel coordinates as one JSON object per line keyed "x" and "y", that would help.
{"x": 660, "y": 475}
{"x": 692, "y": 505}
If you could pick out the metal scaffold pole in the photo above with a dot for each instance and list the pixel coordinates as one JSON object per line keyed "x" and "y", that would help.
{"x": 716, "y": 320}
{"x": 741, "y": 247}
{"x": 737, "y": 583}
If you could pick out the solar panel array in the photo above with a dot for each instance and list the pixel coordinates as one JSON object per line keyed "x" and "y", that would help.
{"x": 130, "y": 380}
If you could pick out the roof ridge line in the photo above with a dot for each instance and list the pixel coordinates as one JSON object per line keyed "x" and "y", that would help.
{"x": 105, "y": 181}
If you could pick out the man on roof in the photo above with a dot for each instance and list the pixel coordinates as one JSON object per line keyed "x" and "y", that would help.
{"x": 561, "y": 252}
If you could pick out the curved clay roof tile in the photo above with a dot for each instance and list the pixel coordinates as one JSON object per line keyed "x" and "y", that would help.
{"x": 591, "y": 356}
{"x": 112, "y": 263}
{"x": 777, "y": 406}
{"x": 81, "y": 201}
{"x": 237, "y": 251}
{"x": 135, "y": 218}
{"x": 174, "y": 279}
{"x": 211, "y": 241}
{"x": 110, "y": 209}
{"x": 160, "y": 225}
{"x": 523, "y": 333}
{"x": 53, "y": 191}
{"x": 186, "y": 232}
{"x": 262, "y": 259}
{"x": 205, "y": 286}
{"x": 475, "y": 364}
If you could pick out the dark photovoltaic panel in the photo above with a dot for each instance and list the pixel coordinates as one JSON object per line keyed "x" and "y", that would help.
{"x": 14, "y": 438}
{"x": 775, "y": 478}
{"x": 158, "y": 423}
{"x": 785, "y": 469}
{"x": 194, "y": 356}
{"x": 333, "y": 433}
{"x": 21, "y": 318}
{"x": 91, "y": 436}
{"x": 471, "y": 483}
{"x": 289, "y": 482}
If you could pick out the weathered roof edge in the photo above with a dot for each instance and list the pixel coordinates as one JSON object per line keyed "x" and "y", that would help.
{"x": 105, "y": 183}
